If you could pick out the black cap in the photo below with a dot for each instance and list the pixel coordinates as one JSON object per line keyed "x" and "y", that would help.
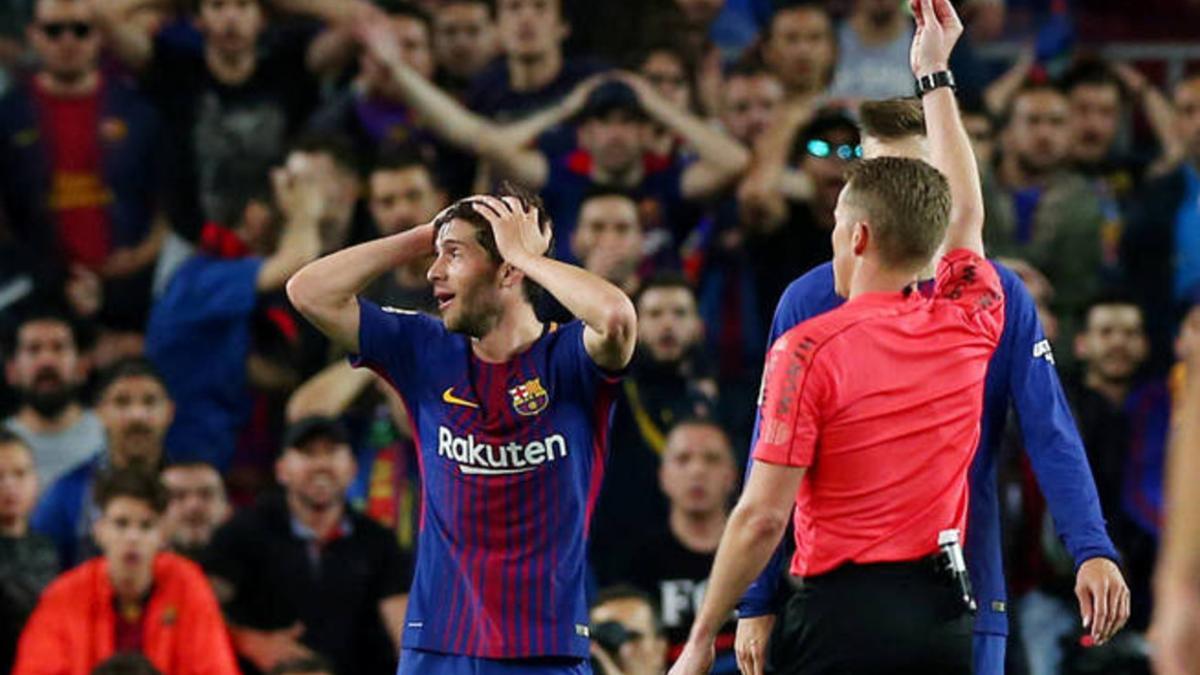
{"x": 300, "y": 433}
{"x": 610, "y": 96}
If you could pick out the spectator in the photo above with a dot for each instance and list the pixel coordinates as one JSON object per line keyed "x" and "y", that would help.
{"x": 1160, "y": 249}
{"x": 81, "y": 164}
{"x": 612, "y": 148}
{"x": 671, "y": 560}
{"x": 666, "y": 383}
{"x": 136, "y": 598}
{"x": 196, "y": 506}
{"x": 313, "y": 665}
{"x": 1041, "y": 211}
{"x": 799, "y": 48}
{"x": 135, "y": 410}
{"x": 237, "y": 100}
{"x": 981, "y": 127}
{"x": 402, "y": 193}
{"x": 666, "y": 69}
{"x": 609, "y": 239}
{"x": 27, "y": 560}
{"x": 46, "y": 367}
{"x": 126, "y": 664}
{"x": 751, "y": 97}
{"x": 199, "y": 332}
{"x": 872, "y": 47}
{"x": 533, "y": 73}
{"x": 299, "y": 573}
{"x": 625, "y": 626}
{"x": 464, "y": 43}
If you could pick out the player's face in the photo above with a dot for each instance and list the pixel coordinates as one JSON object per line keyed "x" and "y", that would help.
{"x": 231, "y": 26}
{"x": 1095, "y": 118}
{"x": 135, "y": 412}
{"x": 608, "y": 238}
{"x": 645, "y": 654}
{"x": 197, "y": 504}
{"x": 800, "y": 50}
{"x": 45, "y": 366}
{"x": 130, "y": 534}
{"x": 668, "y": 323}
{"x": 1038, "y": 135}
{"x": 403, "y": 199}
{"x": 464, "y": 38}
{"x": 749, "y": 106}
{"x": 530, "y": 28}
{"x": 18, "y": 483}
{"x": 1113, "y": 343}
{"x": 667, "y": 73}
{"x": 464, "y": 279}
{"x": 614, "y": 141}
{"x": 317, "y": 474}
{"x": 64, "y": 36}
{"x": 697, "y": 472}
{"x": 1187, "y": 109}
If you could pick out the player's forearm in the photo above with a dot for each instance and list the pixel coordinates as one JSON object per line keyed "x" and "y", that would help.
{"x": 602, "y": 306}
{"x": 714, "y": 147}
{"x": 751, "y": 537}
{"x": 325, "y": 286}
{"x": 951, "y": 153}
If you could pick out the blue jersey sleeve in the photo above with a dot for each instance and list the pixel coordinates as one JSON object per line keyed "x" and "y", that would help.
{"x": 392, "y": 341}
{"x": 810, "y": 295}
{"x": 1050, "y": 436}
{"x": 578, "y": 368}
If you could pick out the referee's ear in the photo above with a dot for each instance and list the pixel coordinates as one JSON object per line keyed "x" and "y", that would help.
{"x": 860, "y": 237}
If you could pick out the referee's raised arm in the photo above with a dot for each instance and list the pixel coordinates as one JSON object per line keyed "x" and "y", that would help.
{"x": 325, "y": 291}
{"x": 937, "y": 30}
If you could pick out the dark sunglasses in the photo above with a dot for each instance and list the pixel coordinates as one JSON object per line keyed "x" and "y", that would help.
{"x": 821, "y": 149}
{"x": 56, "y": 29}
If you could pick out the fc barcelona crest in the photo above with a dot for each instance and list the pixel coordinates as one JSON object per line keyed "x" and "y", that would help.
{"x": 529, "y": 398}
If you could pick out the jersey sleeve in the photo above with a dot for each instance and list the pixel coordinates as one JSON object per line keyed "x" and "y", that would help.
{"x": 972, "y": 284}
{"x": 391, "y": 342}
{"x": 1051, "y": 438}
{"x": 577, "y": 365}
{"x": 793, "y": 399}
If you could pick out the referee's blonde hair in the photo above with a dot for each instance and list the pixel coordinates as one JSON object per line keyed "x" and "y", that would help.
{"x": 907, "y": 205}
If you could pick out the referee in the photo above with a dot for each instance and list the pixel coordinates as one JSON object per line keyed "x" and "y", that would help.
{"x": 870, "y": 417}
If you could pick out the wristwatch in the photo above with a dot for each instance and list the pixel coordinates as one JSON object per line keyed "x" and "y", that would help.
{"x": 942, "y": 78}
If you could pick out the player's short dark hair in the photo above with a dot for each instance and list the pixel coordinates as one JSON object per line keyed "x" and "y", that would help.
{"x": 1091, "y": 72}
{"x": 624, "y": 591}
{"x": 464, "y": 210}
{"x": 1109, "y": 297}
{"x": 9, "y": 438}
{"x": 133, "y": 366}
{"x": 126, "y": 663}
{"x": 134, "y": 483}
{"x": 43, "y": 313}
{"x": 664, "y": 281}
{"x": 307, "y": 664}
{"x": 338, "y": 147}
{"x": 907, "y": 203}
{"x": 892, "y": 119}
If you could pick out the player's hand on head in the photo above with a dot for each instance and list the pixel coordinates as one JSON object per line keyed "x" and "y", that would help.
{"x": 516, "y": 227}
{"x": 937, "y": 30}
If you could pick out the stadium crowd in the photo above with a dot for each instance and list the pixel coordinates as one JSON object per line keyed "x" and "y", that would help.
{"x": 190, "y": 472}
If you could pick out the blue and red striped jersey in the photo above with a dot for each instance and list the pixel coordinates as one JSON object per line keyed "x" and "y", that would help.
{"x": 512, "y": 456}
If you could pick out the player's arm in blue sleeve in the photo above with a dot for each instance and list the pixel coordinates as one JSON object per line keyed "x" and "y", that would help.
{"x": 391, "y": 341}
{"x": 1051, "y": 438}
{"x": 799, "y": 302}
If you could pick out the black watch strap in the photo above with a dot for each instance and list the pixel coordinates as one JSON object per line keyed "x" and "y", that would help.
{"x": 942, "y": 78}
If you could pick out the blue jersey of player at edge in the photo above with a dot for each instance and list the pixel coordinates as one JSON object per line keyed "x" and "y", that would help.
{"x": 511, "y": 457}
{"x": 1021, "y": 372}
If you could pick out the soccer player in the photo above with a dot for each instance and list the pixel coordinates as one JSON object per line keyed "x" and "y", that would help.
{"x": 893, "y": 452}
{"x": 511, "y": 417}
{"x": 1022, "y": 373}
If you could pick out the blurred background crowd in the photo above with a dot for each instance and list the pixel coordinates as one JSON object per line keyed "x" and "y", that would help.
{"x": 166, "y": 165}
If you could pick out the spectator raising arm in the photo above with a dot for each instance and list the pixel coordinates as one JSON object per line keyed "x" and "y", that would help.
{"x": 298, "y": 196}
{"x": 938, "y": 29}
{"x": 721, "y": 159}
{"x": 1159, "y": 112}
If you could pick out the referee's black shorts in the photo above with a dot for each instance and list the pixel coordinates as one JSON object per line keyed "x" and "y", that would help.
{"x": 894, "y": 618}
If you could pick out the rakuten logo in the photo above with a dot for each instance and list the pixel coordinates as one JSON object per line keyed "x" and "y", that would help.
{"x": 485, "y": 459}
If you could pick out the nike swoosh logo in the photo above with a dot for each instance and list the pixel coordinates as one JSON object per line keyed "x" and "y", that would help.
{"x": 449, "y": 397}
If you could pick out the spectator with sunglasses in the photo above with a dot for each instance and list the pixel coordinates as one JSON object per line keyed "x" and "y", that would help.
{"x": 79, "y": 166}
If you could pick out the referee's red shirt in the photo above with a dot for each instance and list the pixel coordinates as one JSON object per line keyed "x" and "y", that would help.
{"x": 881, "y": 400}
